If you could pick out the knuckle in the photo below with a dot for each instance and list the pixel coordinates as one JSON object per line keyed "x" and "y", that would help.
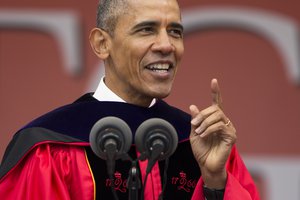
{"x": 204, "y": 124}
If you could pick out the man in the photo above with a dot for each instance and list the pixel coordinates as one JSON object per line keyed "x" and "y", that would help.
{"x": 141, "y": 44}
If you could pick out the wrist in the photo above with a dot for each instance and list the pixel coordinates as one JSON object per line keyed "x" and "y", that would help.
{"x": 214, "y": 180}
{"x": 213, "y": 194}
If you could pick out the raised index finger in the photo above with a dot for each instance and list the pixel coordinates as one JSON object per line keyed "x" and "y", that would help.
{"x": 216, "y": 93}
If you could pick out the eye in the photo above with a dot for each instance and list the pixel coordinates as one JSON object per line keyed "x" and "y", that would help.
{"x": 177, "y": 33}
{"x": 146, "y": 30}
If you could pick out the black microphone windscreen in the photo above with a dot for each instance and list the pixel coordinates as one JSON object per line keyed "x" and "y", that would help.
{"x": 110, "y": 129}
{"x": 153, "y": 130}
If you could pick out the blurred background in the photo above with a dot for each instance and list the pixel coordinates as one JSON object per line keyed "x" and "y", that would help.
{"x": 251, "y": 47}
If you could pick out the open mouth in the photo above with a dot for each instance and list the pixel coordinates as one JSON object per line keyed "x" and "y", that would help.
{"x": 160, "y": 67}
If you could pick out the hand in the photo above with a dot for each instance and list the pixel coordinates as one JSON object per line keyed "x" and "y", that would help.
{"x": 212, "y": 137}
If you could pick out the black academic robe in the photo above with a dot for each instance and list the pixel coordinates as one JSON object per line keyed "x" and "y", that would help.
{"x": 71, "y": 125}
{"x": 50, "y": 158}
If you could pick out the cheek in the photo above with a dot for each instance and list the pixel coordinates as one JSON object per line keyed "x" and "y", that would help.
{"x": 179, "y": 51}
{"x": 132, "y": 52}
{"x": 136, "y": 58}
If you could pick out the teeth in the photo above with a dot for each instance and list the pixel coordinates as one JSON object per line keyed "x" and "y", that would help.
{"x": 159, "y": 66}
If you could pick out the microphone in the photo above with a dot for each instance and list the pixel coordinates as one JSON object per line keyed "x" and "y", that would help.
{"x": 156, "y": 139}
{"x": 110, "y": 139}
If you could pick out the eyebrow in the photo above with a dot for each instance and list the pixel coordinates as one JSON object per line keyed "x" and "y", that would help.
{"x": 144, "y": 24}
{"x": 155, "y": 23}
{"x": 177, "y": 25}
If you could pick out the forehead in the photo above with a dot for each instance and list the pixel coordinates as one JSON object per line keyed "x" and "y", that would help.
{"x": 162, "y": 10}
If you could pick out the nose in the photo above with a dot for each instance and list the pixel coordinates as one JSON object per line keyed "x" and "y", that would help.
{"x": 163, "y": 43}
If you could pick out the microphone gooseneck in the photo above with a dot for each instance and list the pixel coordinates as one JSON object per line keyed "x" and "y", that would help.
{"x": 110, "y": 139}
{"x": 156, "y": 139}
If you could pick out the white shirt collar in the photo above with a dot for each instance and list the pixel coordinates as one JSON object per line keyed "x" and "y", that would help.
{"x": 103, "y": 93}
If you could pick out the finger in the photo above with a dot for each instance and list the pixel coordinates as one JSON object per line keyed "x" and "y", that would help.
{"x": 199, "y": 116}
{"x": 195, "y": 116}
{"x": 194, "y": 110}
{"x": 216, "y": 93}
{"x": 211, "y": 120}
{"x": 217, "y": 128}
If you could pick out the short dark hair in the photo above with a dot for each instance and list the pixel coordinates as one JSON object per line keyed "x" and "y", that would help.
{"x": 108, "y": 13}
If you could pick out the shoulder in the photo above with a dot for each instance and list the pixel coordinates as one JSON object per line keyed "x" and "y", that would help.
{"x": 62, "y": 113}
{"x": 28, "y": 140}
{"x": 177, "y": 117}
{"x": 173, "y": 112}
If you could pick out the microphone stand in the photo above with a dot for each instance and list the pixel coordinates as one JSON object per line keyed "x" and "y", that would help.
{"x": 110, "y": 147}
{"x": 134, "y": 183}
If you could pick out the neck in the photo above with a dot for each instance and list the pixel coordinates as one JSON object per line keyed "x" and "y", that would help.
{"x": 123, "y": 96}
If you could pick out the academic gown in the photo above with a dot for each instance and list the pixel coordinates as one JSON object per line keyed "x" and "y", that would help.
{"x": 50, "y": 158}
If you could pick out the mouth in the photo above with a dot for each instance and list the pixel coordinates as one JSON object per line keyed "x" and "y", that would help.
{"x": 160, "y": 67}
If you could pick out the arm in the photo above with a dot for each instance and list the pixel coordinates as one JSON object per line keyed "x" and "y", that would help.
{"x": 212, "y": 139}
{"x": 49, "y": 172}
{"x": 239, "y": 184}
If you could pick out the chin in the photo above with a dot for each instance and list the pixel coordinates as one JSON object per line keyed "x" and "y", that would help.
{"x": 158, "y": 91}
{"x": 161, "y": 94}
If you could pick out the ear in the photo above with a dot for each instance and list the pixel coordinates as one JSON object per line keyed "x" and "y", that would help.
{"x": 99, "y": 42}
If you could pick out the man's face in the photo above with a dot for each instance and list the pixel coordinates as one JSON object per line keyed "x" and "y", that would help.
{"x": 145, "y": 51}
